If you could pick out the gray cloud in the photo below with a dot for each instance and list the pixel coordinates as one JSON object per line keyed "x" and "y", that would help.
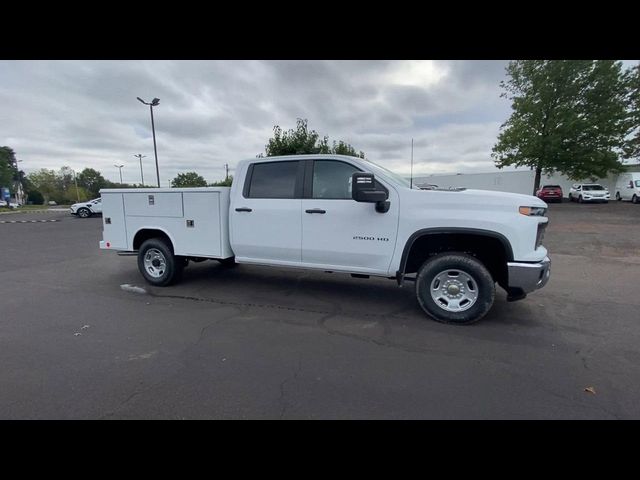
{"x": 85, "y": 113}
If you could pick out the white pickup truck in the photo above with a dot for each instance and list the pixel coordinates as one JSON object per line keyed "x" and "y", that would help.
{"x": 337, "y": 213}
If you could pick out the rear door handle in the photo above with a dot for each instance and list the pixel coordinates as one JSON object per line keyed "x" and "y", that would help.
{"x": 316, "y": 210}
{"x": 243, "y": 209}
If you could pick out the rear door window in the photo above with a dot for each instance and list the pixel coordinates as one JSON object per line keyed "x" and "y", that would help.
{"x": 273, "y": 180}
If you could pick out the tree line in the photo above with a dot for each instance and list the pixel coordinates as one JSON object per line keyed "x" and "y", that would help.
{"x": 60, "y": 186}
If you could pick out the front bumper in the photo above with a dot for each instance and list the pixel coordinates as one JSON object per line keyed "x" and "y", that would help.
{"x": 527, "y": 277}
{"x": 604, "y": 198}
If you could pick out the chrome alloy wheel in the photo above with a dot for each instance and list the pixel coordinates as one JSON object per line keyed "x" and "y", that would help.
{"x": 155, "y": 263}
{"x": 454, "y": 290}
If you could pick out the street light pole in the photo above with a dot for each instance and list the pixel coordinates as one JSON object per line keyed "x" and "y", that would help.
{"x": 120, "y": 167}
{"x": 140, "y": 157}
{"x": 154, "y": 103}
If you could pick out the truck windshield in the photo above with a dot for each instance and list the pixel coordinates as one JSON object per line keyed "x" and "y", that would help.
{"x": 388, "y": 173}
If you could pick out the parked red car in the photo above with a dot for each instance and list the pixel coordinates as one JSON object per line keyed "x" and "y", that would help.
{"x": 550, "y": 193}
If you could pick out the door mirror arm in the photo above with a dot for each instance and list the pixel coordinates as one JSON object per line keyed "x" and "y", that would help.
{"x": 383, "y": 206}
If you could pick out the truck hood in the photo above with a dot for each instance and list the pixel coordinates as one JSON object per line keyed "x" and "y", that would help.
{"x": 482, "y": 197}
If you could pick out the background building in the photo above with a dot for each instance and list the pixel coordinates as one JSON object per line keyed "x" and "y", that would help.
{"x": 515, "y": 181}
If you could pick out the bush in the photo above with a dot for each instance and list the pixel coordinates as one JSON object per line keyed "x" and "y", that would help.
{"x": 35, "y": 197}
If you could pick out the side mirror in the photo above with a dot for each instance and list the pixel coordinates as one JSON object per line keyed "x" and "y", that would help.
{"x": 363, "y": 189}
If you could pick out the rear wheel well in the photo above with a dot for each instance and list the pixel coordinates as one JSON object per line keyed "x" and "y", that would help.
{"x": 489, "y": 250}
{"x": 147, "y": 233}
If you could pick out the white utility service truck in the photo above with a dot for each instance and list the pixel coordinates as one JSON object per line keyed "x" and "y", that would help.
{"x": 337, "y": 213}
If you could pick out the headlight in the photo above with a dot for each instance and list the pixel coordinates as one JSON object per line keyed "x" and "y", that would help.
{"x": 533, "y": 211}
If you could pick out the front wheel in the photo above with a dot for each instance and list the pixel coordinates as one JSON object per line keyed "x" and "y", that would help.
{"x": 84, "y": 213}
{"x": 618, "y": 197}
{"x": 580, "y": 199}
{"x": 634, "y": 199}
{"x": 157, "y": 263}
{"x": 455, "y": 288}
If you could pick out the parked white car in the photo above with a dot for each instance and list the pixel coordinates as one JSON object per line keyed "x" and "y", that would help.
{"x": 588, "y": 192}
{"x": 86, "y": 209}
{"x": 628, "y": 187}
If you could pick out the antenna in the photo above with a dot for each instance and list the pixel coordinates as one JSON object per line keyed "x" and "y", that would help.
{"x": 411, "y": 164}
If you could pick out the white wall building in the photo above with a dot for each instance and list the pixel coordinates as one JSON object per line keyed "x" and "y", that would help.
{"x": 515, "y": 181}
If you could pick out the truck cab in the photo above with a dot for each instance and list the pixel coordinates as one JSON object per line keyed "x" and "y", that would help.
{"x": 342, "y": 214}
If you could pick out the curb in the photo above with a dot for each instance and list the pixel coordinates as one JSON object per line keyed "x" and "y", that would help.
{"x": 16, "y": 211}
{"x": 27, "y": 221}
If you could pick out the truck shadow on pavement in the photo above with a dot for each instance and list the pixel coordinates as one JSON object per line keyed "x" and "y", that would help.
{"x": 324, "y": 293}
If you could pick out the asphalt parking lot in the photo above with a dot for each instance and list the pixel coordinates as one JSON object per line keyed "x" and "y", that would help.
{"x": 264, "y": 343}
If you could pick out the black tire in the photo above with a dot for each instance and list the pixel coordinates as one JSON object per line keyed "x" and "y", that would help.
{"x": 173, "y": 266}
{"x": 486, "y": 288}
{"x": 618, "y": 197}
{"x": 580, "y": 199}
{"x": 84, "y": 212}
{"x": 634, "y": 199}
{"x": 570, "y": 198}
{"x": 227, "y": 262}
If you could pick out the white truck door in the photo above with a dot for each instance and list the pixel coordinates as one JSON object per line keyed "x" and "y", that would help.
{"x": 265, "y": 218}
{"x": 339, "y": 232}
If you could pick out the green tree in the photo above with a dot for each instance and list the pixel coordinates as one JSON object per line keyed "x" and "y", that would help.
{"x": 302, "y": 141}
{"x": 568, "y": 116}
{"x": 632, "y": 145}
{"x": 92, "y": 181}
{"x": 46, "y": 182}
{"x": 73, "y": 196}
{"x": 9, "y": 173}
{"x": 188, "y": 179}
{"x": 35, "y": 197}
{"x": 223, "y": 183}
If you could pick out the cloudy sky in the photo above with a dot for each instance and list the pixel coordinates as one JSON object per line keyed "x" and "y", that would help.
{"x": 85, "y": 113}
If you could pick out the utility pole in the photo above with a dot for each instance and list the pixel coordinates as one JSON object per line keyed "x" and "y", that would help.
{"x": 75, "y": 178}
{"x": 226, "y": 175}
{"x": 154, "y": 103}
{"x": 411, "y": 164}
{"x": 140, "y": 157}
{"x": 120, "y": 167}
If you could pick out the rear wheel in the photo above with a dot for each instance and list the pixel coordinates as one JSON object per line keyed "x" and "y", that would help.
{"x": 157, "y": 263}
{"x": 455, "y": 288}
{"x": 618, "y": 197}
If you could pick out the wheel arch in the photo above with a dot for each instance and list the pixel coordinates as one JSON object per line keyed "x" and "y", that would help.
{"x": 429, "y": 241}
{"x": 146, "y": 233}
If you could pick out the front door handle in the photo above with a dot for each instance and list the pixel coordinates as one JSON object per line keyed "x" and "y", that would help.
{"x": 316, "y": 210}
{"x": 243, "y": 209}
